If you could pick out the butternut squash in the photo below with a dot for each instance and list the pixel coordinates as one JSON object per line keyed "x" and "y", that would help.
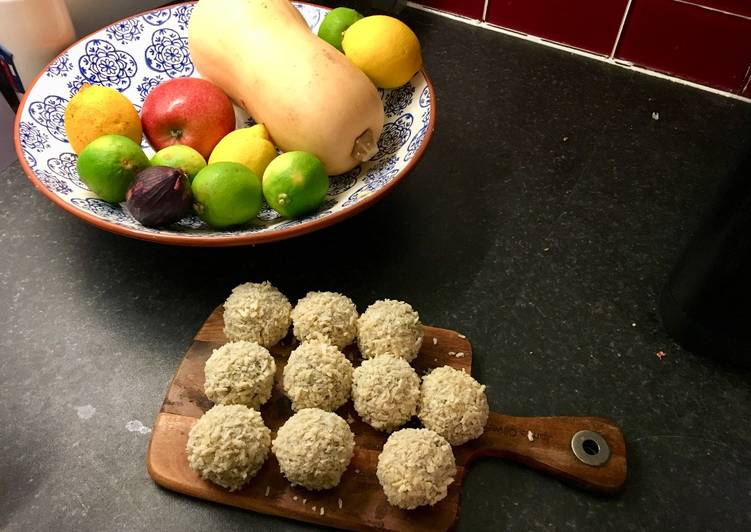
{"x": 307, "y": 93}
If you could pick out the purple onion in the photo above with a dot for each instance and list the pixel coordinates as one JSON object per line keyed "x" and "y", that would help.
{"x": 159, "y": 195}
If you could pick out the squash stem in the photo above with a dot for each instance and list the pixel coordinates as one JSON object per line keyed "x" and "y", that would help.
{"x": 365, "y": 147}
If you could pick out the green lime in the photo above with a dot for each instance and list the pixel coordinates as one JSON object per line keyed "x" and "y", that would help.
{"x": 109, "y": 164}
{"x": 336, "y": 23}
{"x": 295, "y": 183}
{"x": 180, "y": 156}
{"x": 227, "y": 194}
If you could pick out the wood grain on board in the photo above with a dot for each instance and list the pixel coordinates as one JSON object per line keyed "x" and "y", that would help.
{"x": 542, "y": 443}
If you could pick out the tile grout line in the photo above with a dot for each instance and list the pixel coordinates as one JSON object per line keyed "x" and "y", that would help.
{"x": 747, "y": 78}
{"x": 620, "y": 29}
{"x": 576, "y": 51}
{"x": 714, "y": 9}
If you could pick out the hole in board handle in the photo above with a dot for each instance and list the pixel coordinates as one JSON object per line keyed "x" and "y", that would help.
{"x": 590, "y": 448}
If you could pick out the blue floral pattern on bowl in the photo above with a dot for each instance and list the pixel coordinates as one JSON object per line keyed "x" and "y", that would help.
{"x": 31, "y": 138}
{"x": 102, "y": 208}
{"x": 341, "y": 183}
{"x": 126, "y": 30}
{"x": 182, "y": 14}
{"x": 50, "y": 113}
{"x": 74, "y": 85}
{"x": 416, "y": 141}
{"x": 157, "y": 17}
{"x": 147, "y": 85}
{"x": 54, "y": 183}
{"x": 397, "y": 100}
{"x": 30, "y": 159}
{"x": 60, "y": 66}
{"x": 65, "y": 167}
{"x": 168, "y": 53}
{"x": 134, "y": 56}
{"x": 395, "y": 135}
{"x": 103, "y": 64}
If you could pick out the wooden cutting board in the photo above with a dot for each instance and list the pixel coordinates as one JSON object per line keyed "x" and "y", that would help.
{"x": 358, "y": 503}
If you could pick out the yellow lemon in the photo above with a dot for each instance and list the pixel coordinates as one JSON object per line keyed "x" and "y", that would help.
{"x": 96, "y": 111}
{"x": 259, "y": 130}
{"x": 385, "y": 49}
{"x": 245, "y": 146}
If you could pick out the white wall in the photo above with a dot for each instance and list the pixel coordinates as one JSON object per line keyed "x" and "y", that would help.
{"x": 91, "y": 15}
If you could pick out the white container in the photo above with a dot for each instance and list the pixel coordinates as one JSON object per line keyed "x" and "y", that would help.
{"x": 34, "y": 31}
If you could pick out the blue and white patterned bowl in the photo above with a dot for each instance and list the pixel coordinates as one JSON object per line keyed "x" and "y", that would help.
{"x": 136, "y": 54}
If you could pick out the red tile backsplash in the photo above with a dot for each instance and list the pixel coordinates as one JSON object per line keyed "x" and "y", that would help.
{"x": 587, "y": 24}
{"x": 706, "y": 41}
{"x": 688, "y": 42}
{"x": 468, "y": 8}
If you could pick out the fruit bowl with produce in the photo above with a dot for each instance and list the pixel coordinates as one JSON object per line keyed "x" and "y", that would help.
{"x": 227, "y": 122}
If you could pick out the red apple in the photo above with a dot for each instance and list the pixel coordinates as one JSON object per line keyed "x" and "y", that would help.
{"x": 189, "y": 111}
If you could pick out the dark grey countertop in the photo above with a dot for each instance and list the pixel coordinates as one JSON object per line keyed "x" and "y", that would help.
{"x": 542, "y": 223}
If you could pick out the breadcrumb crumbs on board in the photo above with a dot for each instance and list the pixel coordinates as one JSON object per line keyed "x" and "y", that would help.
{"x": 435, "y": 341}
{"x": 661, "y": 354}
{"x": 357, "y": 471}
{"x": 304, "y": 501}
{"x": 340, "y": 503}
{"x": 294, "y": 498}
{"x": 268, "y": 489}
{"x": 452, "y": 353}
{"x": 314, "y": 508}
{"x": 322, "y": 510}
{"x": 460, "y": 355}
{"x": 530, "y": 436}
{"x": 461, "y": 336}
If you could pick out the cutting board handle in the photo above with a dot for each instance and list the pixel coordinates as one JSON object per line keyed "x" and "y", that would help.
{"x": 545, "y": 443}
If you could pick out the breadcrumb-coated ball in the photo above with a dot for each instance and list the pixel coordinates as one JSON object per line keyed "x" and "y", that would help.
{"x": 453, "y": 404}
{"x": 329, "y": 314}
{"x": 240, "y": 373}
{"x": 385, "y": 392}
{"x": 257, "y": 312}
{"x": 317, "y": 375}
{"x": 389, "y": 327}
{"x": 415, "y": 468}
{"x": 314, "y": 448}
{"x": 228, "y": 445}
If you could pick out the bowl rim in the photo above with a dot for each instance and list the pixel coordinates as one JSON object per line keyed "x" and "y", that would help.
{"x": 213, "y": 240}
